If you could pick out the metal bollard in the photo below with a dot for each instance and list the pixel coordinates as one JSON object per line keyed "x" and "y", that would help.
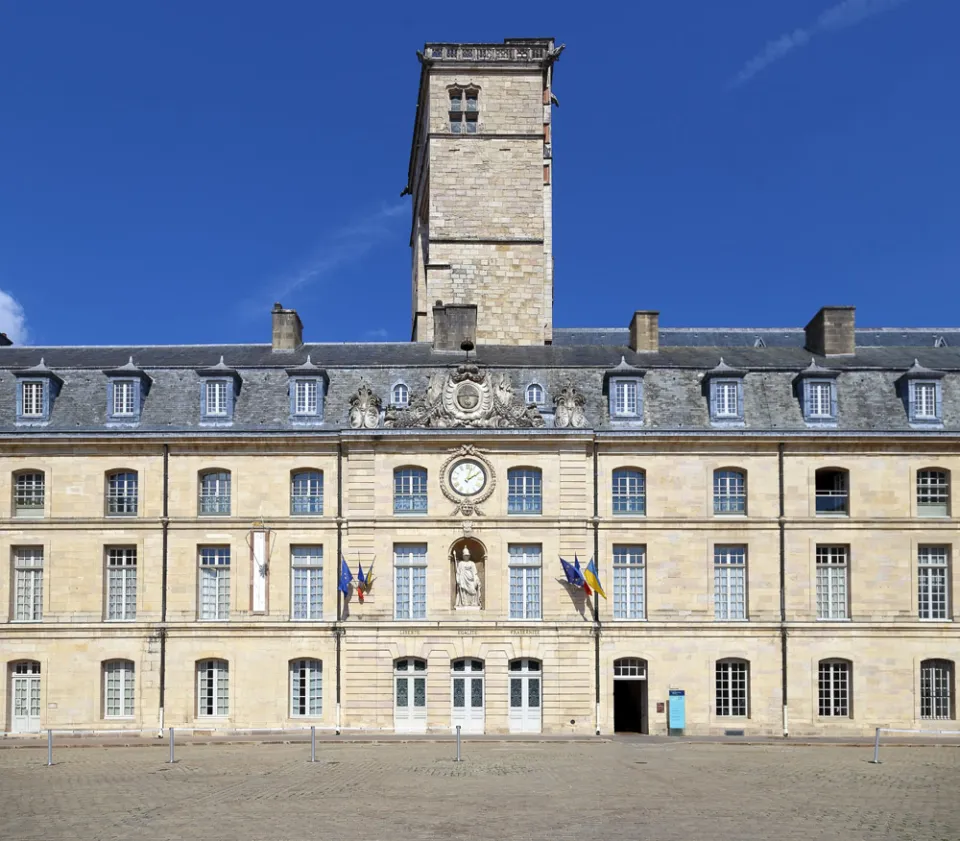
{"x": 458, "y": 744}
{"x": 171, "y": 759}
{"x": 49, "y": 748}
{"x": 313, "y": 744}
{"x": 876, "y": 749}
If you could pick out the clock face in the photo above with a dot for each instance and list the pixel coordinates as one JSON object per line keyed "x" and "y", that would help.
{"x": 468, "y": 478}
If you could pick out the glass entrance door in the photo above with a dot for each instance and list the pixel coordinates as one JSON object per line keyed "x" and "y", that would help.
{"x": 467, "y": 679}
{"x": 26, "y": 697}
{"x": 525, "y": 685}
{"x": 410, "y": 696}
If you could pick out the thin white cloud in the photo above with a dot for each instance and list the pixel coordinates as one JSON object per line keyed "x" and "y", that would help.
{"x": 380, "y": 334}
{"x": 841, "y": 16}
{"x": 13, "y": 320}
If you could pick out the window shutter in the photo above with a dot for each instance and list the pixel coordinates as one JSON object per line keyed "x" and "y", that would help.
{"x": 740, "y": 399}
{"x": 714, "y": 397}
{"x": 612, "y": 397}
{"x": 912, "y": 400}
{"x": 937, "y": 400}
{"x": 231, "y": 390}
{"x": 46, "y": 386}
{"x": 833, "y": 400}
{"x": 807, "y": 399}
{"x": 137, "y": 397}
{"x": 203, "y": 398}
{"x": 320, "y": 397}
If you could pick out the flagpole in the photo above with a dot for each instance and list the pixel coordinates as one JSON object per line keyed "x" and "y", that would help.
{"x": 337, "y": 630}
{"x": 596, "y": 595}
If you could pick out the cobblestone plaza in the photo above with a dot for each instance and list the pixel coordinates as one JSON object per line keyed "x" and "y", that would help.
{"x": 528, "y": 790}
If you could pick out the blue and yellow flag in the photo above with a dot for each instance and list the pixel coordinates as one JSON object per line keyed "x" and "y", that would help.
{"x": 591, "y": 577}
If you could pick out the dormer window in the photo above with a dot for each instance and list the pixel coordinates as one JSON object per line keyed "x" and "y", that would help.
{"x": 306, "y": 392}
{"x": 535, "y": 394}
{"x": 305, "y": 397}
{"x": 123, "y": 398}
{"x": 32, "y": 399}
{"x": 216, "y": 398}
{"x": 37, "y": 388}
{"x": 626, "y": 397}
{"x": 726, "y": 394}
{"x": 464, "y": 110}
{"x": 126, "y": 387}
{"x": 818, "y": 393}
{"x": 922, "y": 394}
{"x": 625, "y": 390}
{"x": 219, "y": 386}
{"x": 400, "y": 396}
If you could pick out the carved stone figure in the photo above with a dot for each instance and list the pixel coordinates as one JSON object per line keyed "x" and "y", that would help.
{"x": 468, "y": 580}
{"x": 364, "y": 409}
{"x": 569, "y": 409}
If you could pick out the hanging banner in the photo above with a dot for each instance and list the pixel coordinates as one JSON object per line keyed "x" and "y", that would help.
{"x": 258, "y": 539}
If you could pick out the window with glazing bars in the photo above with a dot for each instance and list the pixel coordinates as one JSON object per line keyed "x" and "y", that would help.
{"x": 629, "y": 492}
{"x": 525, "y": 563}
{"x": 932, "y": 576}
{"x": 122, "y": 583}
{"x": 31, "y": 399}
{"x": 834, "y": 688}
{"x": 626, "y": 397}
{"x": 307, "y": 564}
{"x": 727, "y": 399}
{"x": 410, "y": 490}
{"x": 216, "y": 398}
{"x": 306, "y": 688}
{"x": 925, "y": 401}
{"x": 464, "y": 110}
{"x": 213, "y": 688}
{"x": 29, "y": 494}
{"x": 730, "y": 582}
{"x": 118, "y": 689}
{"x": 731, "y": 688}
{"x": 819, "y": 400}
{"x": 832, "y": 493}
{"x": 124, "y": 399}
{"x": 629, "y": 580}
{"x": 729, "y": 492}
{"x": 832, "y": 589}
{"x": 215, "y": 582}
{"x": 215, "y": 493}
{"x": 524, "y": 494}
{"x": 933, "y": 493}
{"x": 28, "y": 583}
{"x": 400, "y": 396}
{"x": 306, "y": 492}
{"x": 535, "y": 393}
{"x": 410, "y": 582}
{"x": 936, "y": 689}
{"x": 305, "y": 397}
{"x": 122, "y": 494}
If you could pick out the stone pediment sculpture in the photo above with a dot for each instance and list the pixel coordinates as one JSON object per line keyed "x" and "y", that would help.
{"x": 466, "y": 397}
{"x": 364, "y": 409}
{"x": 569, "y": 405}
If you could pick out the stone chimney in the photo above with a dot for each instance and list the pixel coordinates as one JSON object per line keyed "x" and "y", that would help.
{"x": 831, "y": 331}
{"x": 645, "y": 331}
{"x": 453, "y": 325}
{"x": 287, "y": 330}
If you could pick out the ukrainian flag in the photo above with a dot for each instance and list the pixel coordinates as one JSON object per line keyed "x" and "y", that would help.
{"x": 591, "y": 577}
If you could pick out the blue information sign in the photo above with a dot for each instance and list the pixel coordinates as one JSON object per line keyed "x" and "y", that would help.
{"x": 677, "y": 710}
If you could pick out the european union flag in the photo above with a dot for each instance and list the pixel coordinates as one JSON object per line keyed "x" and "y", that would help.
{"x": 573, "y": 574}
{"x": 345, "y": 577}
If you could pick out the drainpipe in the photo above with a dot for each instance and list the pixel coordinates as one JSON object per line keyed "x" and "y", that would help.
{"x": 337, "y": 629}
{"x": 596, "y": 596}
{"x": 783, "y": 594}
{"x": 164, "y": 526}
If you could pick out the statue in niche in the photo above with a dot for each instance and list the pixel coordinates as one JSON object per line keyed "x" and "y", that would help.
{"x": 469, "y": 588}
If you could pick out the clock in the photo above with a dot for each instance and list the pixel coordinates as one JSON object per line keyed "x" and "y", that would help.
{"x": 468, "y": 477}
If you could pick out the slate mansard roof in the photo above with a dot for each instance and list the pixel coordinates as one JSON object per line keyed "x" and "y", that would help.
{"x": 870, "y": 384}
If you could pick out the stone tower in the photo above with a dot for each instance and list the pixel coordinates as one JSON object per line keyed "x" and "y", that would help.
{"x": 480, "y": 176}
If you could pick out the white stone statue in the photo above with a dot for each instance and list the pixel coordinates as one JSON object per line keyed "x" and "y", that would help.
{"x": 468, "y": 580}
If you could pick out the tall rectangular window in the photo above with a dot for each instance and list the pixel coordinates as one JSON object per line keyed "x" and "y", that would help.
{"x": 410, "y": 581}
{"x": 834, "y": 688}
{"x": 832, "y": 589}
{"x": 925, "y": 401}
{"x": 29, "y": 495}
{"x": 936, "y": 689}
{"x": 626, "y": 397}
{"x": 729, "y": 492}
{"x": 124, "y": 398}
{"x": 731, "y": 688}
{"x": 118, "y": 689}
{"x": 525, "y": 562}
{"x": 306, "y": 492}
{"x": 410, "y": 490}
{"x": 933, "y": 493}
{"x": 307, "y": 563}
{"x": 31, "y": 399}
{"x": 727, "y": 397}
{"x": 306, "y": 688}
{"x": 932, "y": 578}
{"x": 629, "y": 491}
{"x": 122, "y": 583}
{"x": 213, "y": 688}
{"x": 524, "y": 494}
{"x": 215, "y": 492}
{"x": 629, "y": 580}
{"x": 28, "y": 583}
{"x": 215, "y": 582}
{"x": 123, "y": 496}
{"x": 730, "y": 582}
{"x": 820, "y": 400}
{"x": 216, "y": 398}
{"x": 305, "y": 397}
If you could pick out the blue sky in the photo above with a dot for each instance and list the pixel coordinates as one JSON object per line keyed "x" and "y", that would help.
{"x": 169, "y": 170}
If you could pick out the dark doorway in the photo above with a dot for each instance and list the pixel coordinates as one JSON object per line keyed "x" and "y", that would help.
{"x": 630, "y": 706}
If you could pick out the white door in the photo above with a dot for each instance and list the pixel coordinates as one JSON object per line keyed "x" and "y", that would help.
{"x": 410, "y": 696}
{"x": 525, "y": 685}
{"x": 26, "y": 698}
{"x": 467, "y": 696}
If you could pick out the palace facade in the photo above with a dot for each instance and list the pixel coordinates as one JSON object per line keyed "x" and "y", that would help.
{"x": 770, "y": 510}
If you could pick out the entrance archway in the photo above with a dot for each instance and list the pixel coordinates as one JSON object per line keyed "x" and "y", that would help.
{"x": 630, "y": 713}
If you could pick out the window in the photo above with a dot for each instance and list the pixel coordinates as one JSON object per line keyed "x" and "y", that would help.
{"x": 29, "y": 494}
{"x": 464, "y": 110}
{"x": 410, "y": 584}
{"x": 32, "y": 402}
{"x": 124, "y": 403}
{"x": 629, "y": 579}
{"x": 122, "y": 583}
{"x": 819, "y": 401}
{"x": 410, "y": 490}
{"x": 625, "y": 398}
{"x": 118, "y": 689}
{"x": 215, "y": 492}
{"x": 933, "y": 493}
{"x": 215, "y": 582}
{"x": 832, "y": 589}
{"x": 732, "y": 688}
{"x": 936, "y": 689}
{"x": 831, "y": 492}
{"x": 122, "y": 494}
{"x": 305, "y": 397}
{"x": 216, "y": 403}
{"x": 306, "y": 492}
{"x": 306, "y": 688}
{"x": 629, "y": 491}
{"x": 630, "y": 667}
{"x": 729, "y": 492}
{"x": 524, "y": 582}
{"x": 924, "y": 401}
{"x": 726, "y": 400}
{"x": 213, "y": 688}
{"x": 834, "y": 686}
{"x": 400, "y": 396}
{"x": 307, "y": 563}
{"x": 37, "y": 387}
{"x": 28, "y": 583}
{"x": 932, "y": 577}
{"x": 535, "y": 393}
{"x": 524, "y": 491}
{"x": 730, "y": 582}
